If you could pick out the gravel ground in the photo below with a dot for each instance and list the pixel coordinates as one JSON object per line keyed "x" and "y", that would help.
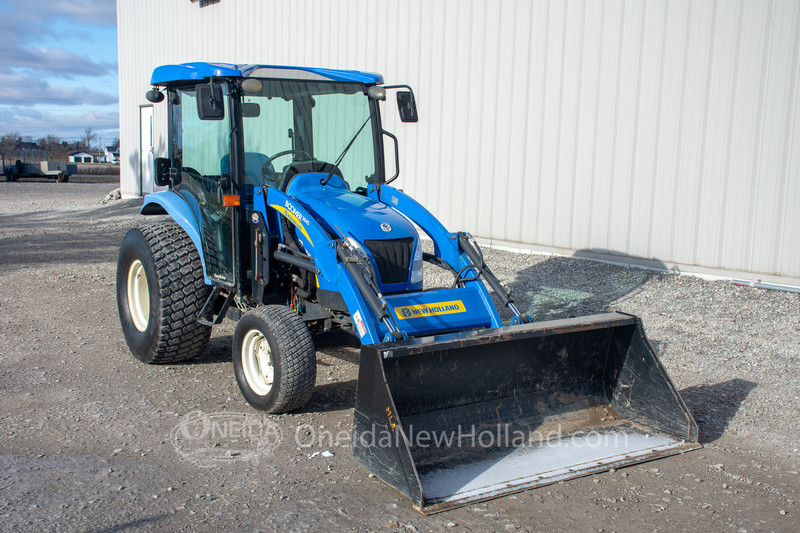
{"x": 90, "y": 439}
{"x": 720, "y": 342}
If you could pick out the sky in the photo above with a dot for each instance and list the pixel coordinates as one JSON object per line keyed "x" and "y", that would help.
{"x": 58, "y": 68}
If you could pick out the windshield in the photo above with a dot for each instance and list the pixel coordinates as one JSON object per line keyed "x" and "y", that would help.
{"x": 307, "y": 121}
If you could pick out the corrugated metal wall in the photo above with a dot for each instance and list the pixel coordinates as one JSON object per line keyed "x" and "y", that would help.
{"x": 661, "y": 130}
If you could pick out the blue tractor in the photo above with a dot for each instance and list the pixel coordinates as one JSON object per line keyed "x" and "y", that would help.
{"x": 283, "y": 219}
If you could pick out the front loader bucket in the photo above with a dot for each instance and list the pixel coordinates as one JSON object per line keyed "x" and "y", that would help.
{"x": 459, "y": 418}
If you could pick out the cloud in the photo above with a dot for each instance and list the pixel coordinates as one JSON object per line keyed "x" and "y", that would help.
{"x": 37, "y": 123}
{"x": 41, "y": 12}
{"x": 24, "y": 26}
{"x": 86, "y": 11}
{"x": 18, "y": 89}
{"x": 65, "y": 64}
{"x": 44, "y": 43}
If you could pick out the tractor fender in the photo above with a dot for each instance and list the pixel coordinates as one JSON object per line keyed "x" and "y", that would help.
{"x": 173, "y": 204}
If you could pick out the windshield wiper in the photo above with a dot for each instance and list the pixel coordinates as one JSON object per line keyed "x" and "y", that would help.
{"x": 325, "y": 180}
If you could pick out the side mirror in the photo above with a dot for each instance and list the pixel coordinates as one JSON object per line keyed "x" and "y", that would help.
{"x": 154, "y": 95}
{"x": 210, "y": 102}
{"x": 407, "y": 106}
{"x": 162, "y": 171}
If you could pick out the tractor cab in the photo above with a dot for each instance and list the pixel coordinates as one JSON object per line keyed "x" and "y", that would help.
{"x": 235, "y": 129}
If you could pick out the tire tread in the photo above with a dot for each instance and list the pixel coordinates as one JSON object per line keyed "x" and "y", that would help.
{"x": 182, "y": 291}
{"x": 298, "y": 356}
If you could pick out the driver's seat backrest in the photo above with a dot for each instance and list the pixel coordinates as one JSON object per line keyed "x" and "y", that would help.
{"x": 253, "y": 161}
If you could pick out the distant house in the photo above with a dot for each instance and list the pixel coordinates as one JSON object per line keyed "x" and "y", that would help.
{"x": 109, "y": 155}
{"x": 81, "y": 157}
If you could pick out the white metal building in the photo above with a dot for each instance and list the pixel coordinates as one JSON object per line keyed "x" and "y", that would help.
{"x": 659, "y": 132}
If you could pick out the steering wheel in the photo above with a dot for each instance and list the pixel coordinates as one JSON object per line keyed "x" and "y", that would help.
{"x": 267, "y": 170}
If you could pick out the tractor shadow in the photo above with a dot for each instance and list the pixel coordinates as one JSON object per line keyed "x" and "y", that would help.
{"x": 217, "y": 351}
{"x": 340, "y": 393}
{"x": 562, "y": 287}
{"x": 339, "y": 344}
{"x": 134, "y": 524}
{"x": 714, "y": 406}
{"x": 52, "y": 237}
{"x": 330, "y": 397}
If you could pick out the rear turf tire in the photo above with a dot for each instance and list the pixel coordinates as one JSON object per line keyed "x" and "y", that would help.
{"x": 160, "y": 291}
{"x": 274, "y": 359}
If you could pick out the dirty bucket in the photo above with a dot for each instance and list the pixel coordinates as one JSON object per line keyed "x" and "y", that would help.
{"x": 465, "y": 417}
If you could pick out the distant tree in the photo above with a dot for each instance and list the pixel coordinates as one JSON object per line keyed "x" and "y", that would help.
{"x": 56, "y": 149}
{"x": 89, "y": 136}
{"x": 10, "y": 141}
{"x": 49, "y": 143}
{"x": 115, "y": 144}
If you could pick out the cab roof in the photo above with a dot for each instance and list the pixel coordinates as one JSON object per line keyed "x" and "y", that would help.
{"x": 197, "y": 71}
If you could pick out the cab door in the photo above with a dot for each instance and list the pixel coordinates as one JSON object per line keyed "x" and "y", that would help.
{"x": 200, "y": 155}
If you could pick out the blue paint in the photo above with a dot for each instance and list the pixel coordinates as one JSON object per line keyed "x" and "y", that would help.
{"x": 200, "y": 71}
{"x": 180, "y": 211}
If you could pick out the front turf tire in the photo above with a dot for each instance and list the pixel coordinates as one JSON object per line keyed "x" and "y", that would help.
{"x": 274, "y": 359}
{"x": 160, "y": 291}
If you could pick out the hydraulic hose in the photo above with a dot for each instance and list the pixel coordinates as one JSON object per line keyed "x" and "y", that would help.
{"x": 366, "y": 291}
{"x": 477, "y": 259}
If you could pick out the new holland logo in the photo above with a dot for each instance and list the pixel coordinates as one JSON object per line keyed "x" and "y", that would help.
{"x": 426, "y": 310}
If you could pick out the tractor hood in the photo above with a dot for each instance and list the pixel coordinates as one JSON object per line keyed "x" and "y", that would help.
{"x": 348, "y": 214}
{"x": 386, "y": 235}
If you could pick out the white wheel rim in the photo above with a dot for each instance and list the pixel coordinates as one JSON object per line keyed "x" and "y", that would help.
{"x": 257, "y": 362}
{"x": 138, "y": 295}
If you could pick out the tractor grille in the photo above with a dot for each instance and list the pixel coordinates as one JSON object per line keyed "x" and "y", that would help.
{"x": 393, "y": 257}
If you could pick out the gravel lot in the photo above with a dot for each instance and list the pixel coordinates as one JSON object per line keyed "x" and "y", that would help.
{"x": 90, "y": 439}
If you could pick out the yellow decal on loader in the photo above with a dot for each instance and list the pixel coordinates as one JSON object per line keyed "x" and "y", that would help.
{"x": 390, "y": 416}
{"x": 425, "y": 310}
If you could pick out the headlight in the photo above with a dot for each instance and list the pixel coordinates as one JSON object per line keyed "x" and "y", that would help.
{"x": 356, "y": 247}
{"x": 416, "y": 265}
{"x": 362, "y": 255}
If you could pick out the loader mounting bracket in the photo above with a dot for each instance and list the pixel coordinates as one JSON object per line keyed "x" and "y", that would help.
{"x": 206, "y": 314}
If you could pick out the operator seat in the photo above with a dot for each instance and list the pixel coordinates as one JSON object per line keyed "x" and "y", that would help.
{"x": 253, "y": 161}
